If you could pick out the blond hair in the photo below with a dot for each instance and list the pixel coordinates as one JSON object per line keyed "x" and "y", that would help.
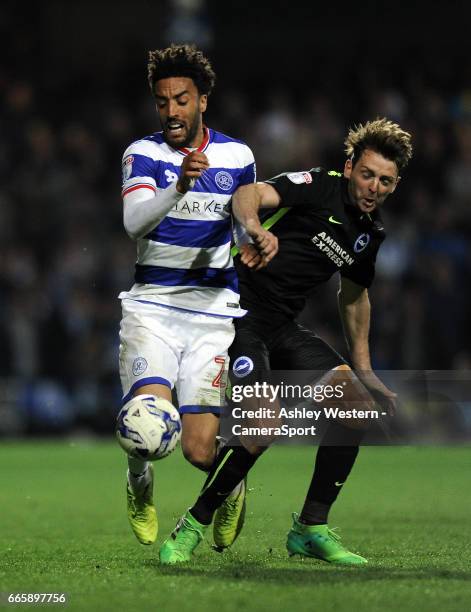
{"x": 382, "y": 136}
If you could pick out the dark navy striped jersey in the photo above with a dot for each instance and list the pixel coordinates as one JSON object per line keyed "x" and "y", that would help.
{"x": 321, "y": 233}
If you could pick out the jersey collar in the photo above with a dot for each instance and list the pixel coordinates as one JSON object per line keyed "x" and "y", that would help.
{"x": 203, "y": 146}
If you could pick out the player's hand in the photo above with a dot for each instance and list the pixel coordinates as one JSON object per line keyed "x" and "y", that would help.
{"x": 255, "y": 257}
{"x": 193, "y": 166}
{"x": 383, "y": 396}
{"x": 249, "y": 256}
{"x": 265, "y": 243}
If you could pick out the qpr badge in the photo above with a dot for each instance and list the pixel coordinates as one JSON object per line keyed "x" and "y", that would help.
{"x": 361, "y": 243}
{"x": 127, "y": 167}
{"x": 139, "y": 366}
{"x": 242, "y": 366}
{"x": 224, "y": 180}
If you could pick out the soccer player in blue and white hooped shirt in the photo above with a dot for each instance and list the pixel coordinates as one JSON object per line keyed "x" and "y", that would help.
{"x": 177, "y": 318}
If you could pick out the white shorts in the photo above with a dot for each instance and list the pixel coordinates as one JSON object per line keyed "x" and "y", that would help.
{"x": 181, "y": 349}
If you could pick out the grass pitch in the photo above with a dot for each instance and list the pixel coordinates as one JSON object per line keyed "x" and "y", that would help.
{"x": 63, "y": 528}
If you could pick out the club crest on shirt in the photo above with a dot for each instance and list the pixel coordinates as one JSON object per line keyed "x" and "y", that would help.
{"x": 242, "y": 366}
{"x": 127, "y": 167}
{"x": 361, "y": 243}
{"x": 224, "y": 180}
{"x": 139, "y": 366}
{"x": 298, "y": 178}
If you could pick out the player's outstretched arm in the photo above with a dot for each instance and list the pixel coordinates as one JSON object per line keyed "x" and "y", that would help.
{"x": 246, "y": 202}
{"x": 355, "y": 312}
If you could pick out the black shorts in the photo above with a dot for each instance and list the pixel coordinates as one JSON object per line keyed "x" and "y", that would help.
{"x": 260, "y": 347}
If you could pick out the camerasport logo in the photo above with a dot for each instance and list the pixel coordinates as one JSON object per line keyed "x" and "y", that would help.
{"x": 242, "y": 366}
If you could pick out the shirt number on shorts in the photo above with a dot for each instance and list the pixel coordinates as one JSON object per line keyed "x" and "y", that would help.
{"x": 217, "y": 380}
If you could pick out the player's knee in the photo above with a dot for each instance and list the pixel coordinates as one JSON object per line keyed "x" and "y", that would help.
{"x": 356, "y": 399}
{"x": 354, "y": 392}
{"x": 199, "y": 454}
{"x": 359, "y": 401}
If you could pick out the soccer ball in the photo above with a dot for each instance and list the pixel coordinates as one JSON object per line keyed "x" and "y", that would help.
{"x": 148, "y": 427}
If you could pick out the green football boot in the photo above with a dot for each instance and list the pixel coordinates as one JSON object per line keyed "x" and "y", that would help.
{"x": 142, "y": 514}
{"x": 320, "y": 542}
{"x": 229, "y": 518}
{"x": 182, "y": 541}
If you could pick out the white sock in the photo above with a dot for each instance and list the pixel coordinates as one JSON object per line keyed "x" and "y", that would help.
{"x": 138, "y": 474}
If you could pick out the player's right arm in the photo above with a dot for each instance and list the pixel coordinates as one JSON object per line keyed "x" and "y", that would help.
{"x": 145, "y": 205}
{"x": 246, "y": 202}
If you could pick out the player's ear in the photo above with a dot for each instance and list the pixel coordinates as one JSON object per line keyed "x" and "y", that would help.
{"x": 347, "y": 171}
{"x": 395, "y": 184}
{"x": 203, "y": 103}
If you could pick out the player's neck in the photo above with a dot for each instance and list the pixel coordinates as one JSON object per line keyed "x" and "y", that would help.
{"x": 198, "y": 139}
{"x": 199, "y": 142}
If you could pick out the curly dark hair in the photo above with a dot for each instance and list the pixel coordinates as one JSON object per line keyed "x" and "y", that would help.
{"x": 181, "y": 61}
{"x": 383, "y": 136}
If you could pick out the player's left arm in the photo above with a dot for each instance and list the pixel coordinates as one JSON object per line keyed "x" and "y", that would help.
{"x": 246, "y": 202}
{"x": 243, "y": 241}
{"x": 355, "y": 313}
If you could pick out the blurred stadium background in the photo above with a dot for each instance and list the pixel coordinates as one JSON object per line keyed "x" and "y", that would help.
{"x": 291, "y": 79}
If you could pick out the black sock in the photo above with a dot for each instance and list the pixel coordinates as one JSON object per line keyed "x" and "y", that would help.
{"x": 333, "y": 465}
{"x": 231, "y": 466}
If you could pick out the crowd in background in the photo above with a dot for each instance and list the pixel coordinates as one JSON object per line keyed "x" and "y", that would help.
{"x": 65, "y": 255}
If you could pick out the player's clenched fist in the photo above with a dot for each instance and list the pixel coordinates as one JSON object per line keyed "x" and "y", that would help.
{"x": 265, "y": 243}
{"x": 193, "y": 166}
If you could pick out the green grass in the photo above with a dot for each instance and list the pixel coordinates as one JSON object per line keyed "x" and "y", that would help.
{"x": 63, "y": 528}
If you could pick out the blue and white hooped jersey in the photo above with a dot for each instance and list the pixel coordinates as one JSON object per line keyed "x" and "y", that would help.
{"x": 185, "y": 261}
